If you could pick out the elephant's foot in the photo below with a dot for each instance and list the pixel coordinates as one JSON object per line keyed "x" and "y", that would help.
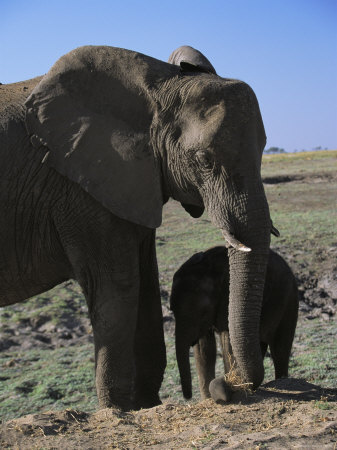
{"x": 148, "y": 401}
{"x": 139, "y": 402}
{"x": 220, "y": 391}
{"x": 120, "y": 404}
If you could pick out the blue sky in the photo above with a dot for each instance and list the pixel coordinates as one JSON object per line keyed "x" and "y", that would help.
{"x": 285, "y": 49}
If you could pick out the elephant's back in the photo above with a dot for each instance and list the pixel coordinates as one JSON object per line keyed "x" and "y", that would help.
{"x": 16, "y": 93}
{"x": 12, "y": 98}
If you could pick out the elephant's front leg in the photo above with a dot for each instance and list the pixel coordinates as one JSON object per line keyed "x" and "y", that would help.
{"x": 205, "y": 358}
{"x": 114, "y": 318}
{"x": 105, "y": 260}
{"x": 150, "y": 351}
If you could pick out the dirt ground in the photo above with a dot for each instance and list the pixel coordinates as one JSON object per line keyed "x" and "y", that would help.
{"x": 288, "y": 413}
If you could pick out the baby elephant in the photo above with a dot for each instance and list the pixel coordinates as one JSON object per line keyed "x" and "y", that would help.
{"x": 199, "y": 301}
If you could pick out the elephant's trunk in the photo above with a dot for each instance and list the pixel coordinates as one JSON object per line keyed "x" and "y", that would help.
{"x": 183, "y": 359}
{"x": 249, "y": 222}
{"x": 247, "y": 274}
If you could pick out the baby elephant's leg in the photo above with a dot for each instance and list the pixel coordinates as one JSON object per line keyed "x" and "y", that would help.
{"x": 280, "y": 347}
{"x": 227, "y": 352}
{"x": 205, "y": 357}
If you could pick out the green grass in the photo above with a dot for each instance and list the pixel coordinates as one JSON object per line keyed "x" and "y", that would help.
{"x": 62, "y": 303}
{"x": 324, "y": 405}
{"x": 315, "y": 352}
{"x": 47, "y": 379}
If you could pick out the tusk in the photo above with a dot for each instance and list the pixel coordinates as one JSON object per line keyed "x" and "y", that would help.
{"x": 274, "y": 230}
{"x": 233, "y": 242}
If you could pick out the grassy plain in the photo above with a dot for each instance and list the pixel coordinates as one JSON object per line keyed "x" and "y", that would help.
{"x": 46, "y": 356}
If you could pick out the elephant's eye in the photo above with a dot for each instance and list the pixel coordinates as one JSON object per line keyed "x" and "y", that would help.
{"x": 205, "y": 158}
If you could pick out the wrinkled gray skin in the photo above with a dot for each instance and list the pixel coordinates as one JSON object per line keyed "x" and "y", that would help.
{"x": 89, "y": 155}
{"x": 199, "y": 300}
{"x": 185, "y": 55}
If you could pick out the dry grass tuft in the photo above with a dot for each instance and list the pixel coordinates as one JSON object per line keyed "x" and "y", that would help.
{"x": 234, "y": 380}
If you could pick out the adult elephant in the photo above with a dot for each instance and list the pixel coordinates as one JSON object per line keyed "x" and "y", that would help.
{"x": 87, "y": 161}
{"x": 186, "y": 56}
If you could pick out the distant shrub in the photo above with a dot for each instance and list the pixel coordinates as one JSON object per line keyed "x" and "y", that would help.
{"x": 274, "y": 150}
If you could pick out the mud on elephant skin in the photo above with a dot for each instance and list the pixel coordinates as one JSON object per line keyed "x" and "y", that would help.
{"x": 89, "y": 154}
{"x": 199, "y": 301}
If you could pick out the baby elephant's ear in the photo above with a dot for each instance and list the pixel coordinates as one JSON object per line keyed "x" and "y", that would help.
{"x": 95, "y": 126}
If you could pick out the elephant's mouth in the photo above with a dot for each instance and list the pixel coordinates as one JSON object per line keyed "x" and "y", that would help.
{"x": 231, "y": 240}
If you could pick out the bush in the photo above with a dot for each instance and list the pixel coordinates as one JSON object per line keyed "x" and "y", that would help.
{"x": 274, "y": 150}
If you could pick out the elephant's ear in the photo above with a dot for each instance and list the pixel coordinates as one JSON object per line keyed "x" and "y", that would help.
{"x": 94, "y": 121}
{"x": 194, "y": 211}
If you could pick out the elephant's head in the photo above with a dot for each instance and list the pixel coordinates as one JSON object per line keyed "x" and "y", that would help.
{"x": 134, "y": 131}
{"x": 212, "y": 158}
{"x": 195, "y": 294}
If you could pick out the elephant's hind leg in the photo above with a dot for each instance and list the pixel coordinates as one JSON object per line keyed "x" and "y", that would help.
{"x": 150, "y": 351}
